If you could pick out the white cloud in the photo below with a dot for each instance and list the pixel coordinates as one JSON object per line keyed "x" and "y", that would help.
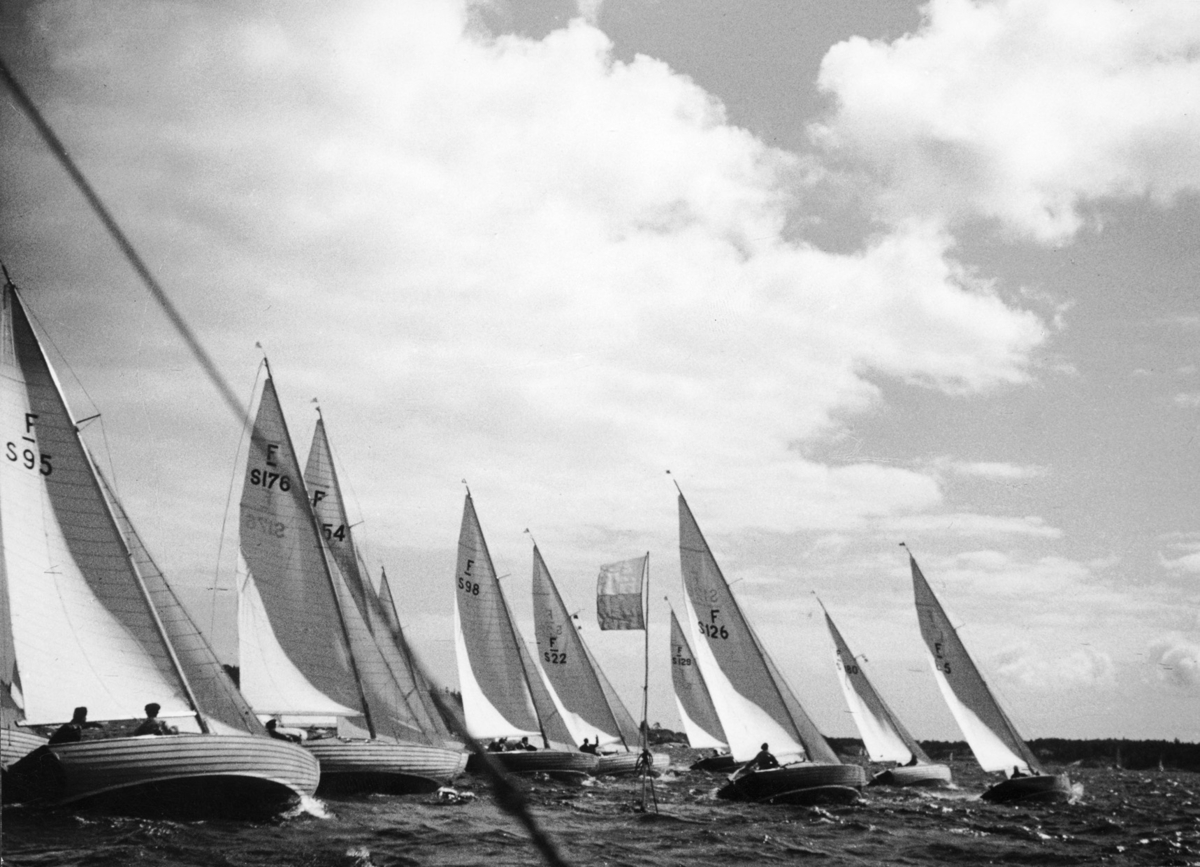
{"x": 966, "y": 524}
{"x": 521, "y": 260}
{"x": 1187, "y": 400}
{"x": 1023, "y": 111}
{"x": 993, "y": 470}
{"x": 1177, "y": 661}
{"x": 1037, "y": 669}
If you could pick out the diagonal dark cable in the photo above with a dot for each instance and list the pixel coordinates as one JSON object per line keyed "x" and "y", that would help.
{"x": 508, "y": 796}
{"x": 59, "y": 151}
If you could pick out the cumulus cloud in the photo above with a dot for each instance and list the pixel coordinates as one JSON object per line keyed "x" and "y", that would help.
{"x": 1032, "y": 668}
{"x": 993, "y": 470}
{"x": 1177, "y": 661}
{"x": 1022, "y": 111}
{"x": 526, "y": 261}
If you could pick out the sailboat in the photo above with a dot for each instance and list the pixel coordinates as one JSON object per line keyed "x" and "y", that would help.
{"x": 700, "y": 719}
{"x": 305, "y": 649}
{"x": 884, "y": 736}
{"x": 329, "y": 507}
{"x": 503, "y": 693}
{"x": 90, "y": 621}
{"x": 752, "y": 699}
{"x": 589, "y": 705}
{"x": 992, "y": 736}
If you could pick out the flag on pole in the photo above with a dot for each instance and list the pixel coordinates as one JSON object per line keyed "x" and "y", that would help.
{"x": 619, "y": 594}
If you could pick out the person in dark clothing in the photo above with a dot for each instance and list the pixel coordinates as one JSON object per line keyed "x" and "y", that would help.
{"x": 526, "y": 745}
{"x": 273, "y": 731}
{"x": 72, "y": 732}
{"x": 152, "y": 725}
{"x": 587, "y": 747}
{"x": 764, "y": 760}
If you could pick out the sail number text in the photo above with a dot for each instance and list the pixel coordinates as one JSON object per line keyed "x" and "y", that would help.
{"x": 266, "y": 479}
{"x": 711, "y": 630}
{"x": 25, "y": 455}
{"x": 555, "y": 657}
{"x": 680, "y": 660}
{"x": 469, "y": 587}
{"x": 265, "y": 525}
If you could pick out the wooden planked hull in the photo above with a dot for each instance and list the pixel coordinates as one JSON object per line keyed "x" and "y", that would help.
{"x": 17, "y": 743}
{"x": 913, "y": 775}
{"x": 563, "y": 765}
{"x": 806, "y": 783}
{"x": 717, "y": 764}
{"x": 625, "y": 764}
{"x": 385, "y": 766}
{"x": 190, "y": 773}
{"x": 1043, "y": 789}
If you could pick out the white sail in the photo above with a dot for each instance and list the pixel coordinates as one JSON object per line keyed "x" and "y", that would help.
{"x": 83, "y": 632}
{"x": 700, "y": 719}
{"x": 289, "y": 586}
{"x": 396, "y": 680}
{"x": 503, "y": 692}
{"x": 992, "y": 736}
{"x": 752, "y": 699}
{"x": 589, "y": 709}
{"x": 884, "y": 736}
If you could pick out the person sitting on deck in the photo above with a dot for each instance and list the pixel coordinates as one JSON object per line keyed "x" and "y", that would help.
{"x": 588, "y": 747}
{"x": 273, "y": 731}
{"x": 526, "y": 745}
{"x": 152, "y": 725}
{"x": 1017, "y": 772}
{"x": 72, "y": 732}
{"x": 764, "y": 760}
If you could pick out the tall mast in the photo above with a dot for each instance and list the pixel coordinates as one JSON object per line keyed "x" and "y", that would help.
{"x": 337, "y": 605}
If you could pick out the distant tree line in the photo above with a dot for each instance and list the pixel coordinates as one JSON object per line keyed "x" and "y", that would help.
{"x": 1108, "y": 752}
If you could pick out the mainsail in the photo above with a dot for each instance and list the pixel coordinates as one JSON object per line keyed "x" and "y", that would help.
{"x": 329, "y": 507}
{"x": 752, "y": 699}
{"x": 294, "y": 652}
{"x": 700, "y": 719}
{"x": 503, "y": 692}
{"x": 992, "y": 736}
{"x": 591, "y": 706}
{"x": 884, "y": 736}
{"x": 311, "y": 640}
{"x": 82, "y": 628}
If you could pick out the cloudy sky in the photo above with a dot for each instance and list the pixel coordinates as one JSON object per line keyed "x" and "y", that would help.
{"x": 855, "y": 274}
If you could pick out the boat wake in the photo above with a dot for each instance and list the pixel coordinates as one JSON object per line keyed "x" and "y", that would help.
{"x": 309, "y": 806}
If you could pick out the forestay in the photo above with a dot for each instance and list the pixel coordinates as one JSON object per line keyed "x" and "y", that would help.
{"x": 82, "y": 630}
{"x": 993, "y": 738}
{"x": 884, "y": 736}
{"x": 752, "y": 699}
{"x": 590, "y": 710}
{"x": 700, "y": 719}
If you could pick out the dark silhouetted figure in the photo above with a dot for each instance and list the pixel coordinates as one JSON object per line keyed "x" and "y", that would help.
{"x": 152, "y": 725}
{"x": 587, "y": 747}
{"x": 526, "y": 745}
{"x": 273, "y": 731}
{"x": 72, "y": 732}
{"x": 764, "y": 760}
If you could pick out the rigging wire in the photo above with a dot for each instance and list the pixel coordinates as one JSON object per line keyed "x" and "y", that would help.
{"x": 508, "y": 796}
{"x": 156, "y": 291}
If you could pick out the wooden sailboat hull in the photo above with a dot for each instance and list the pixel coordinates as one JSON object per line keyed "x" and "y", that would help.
{"x": 717, "y": 764}
{"x": 15, "y": 744}
{"x": 558, "y": 764}
{"x": 625, "y": 764}
{"x": 396, "y": 767}
{"x": 1043, "y": 788}
{"x": 203, "y": 774}
{"x": 805, "y": 783}
{"x": 913, "y": 775}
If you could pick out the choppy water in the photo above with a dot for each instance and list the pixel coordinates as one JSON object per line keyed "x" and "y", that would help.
{"x": 1123, "y": 817}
